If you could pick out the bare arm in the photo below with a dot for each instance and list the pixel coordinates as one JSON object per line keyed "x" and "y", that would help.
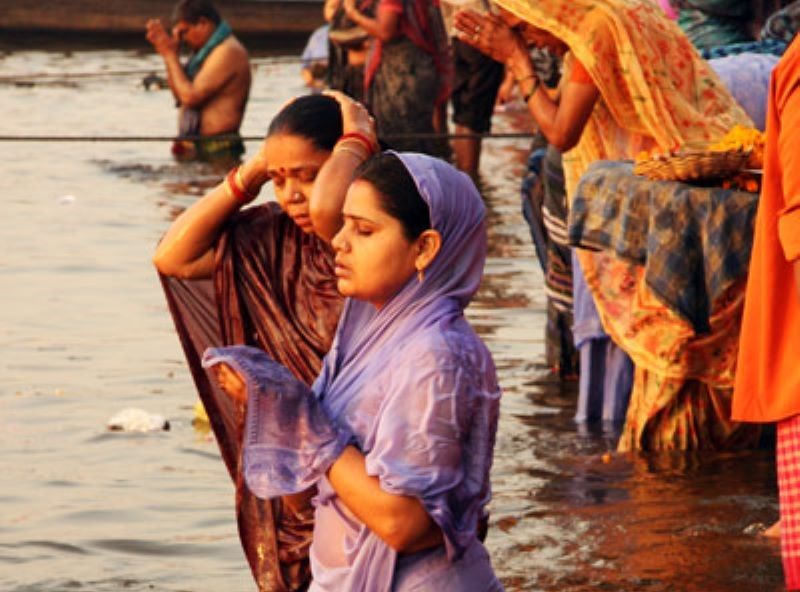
{"x": 335, "y": 176}
{"x": 186, "y": 251}
{"x": 401, "y": 521}
{"x": 561, "y": 121}
{"x": 384, "y": 26}
{"x": 218, "y": 69}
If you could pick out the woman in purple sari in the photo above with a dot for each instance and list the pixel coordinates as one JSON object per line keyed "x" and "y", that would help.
{"x": 399, "y": 431}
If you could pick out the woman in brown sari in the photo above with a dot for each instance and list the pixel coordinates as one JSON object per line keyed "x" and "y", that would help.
{"x": 264, "y": 276}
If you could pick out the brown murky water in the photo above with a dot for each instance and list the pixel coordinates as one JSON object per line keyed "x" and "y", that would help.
{"x": 84, "y": 333}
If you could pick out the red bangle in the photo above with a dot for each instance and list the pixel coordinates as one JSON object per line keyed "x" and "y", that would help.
{"x": 361, "y": 138}
{"x": 239, "y": 193}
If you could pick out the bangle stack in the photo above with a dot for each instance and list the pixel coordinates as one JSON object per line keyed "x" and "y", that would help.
{"x": 236, "y": 188}
{"x": 357, "y": 144}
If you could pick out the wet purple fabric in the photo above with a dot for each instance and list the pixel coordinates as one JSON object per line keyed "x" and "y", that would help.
{"x": 289, "y": 442}
{"x": 416, "y": 389}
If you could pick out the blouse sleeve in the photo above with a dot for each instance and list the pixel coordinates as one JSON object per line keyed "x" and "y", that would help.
{"x": 434, "y": 440}
{"x": 289, "y": 441}
{"x": 579, "y": 73}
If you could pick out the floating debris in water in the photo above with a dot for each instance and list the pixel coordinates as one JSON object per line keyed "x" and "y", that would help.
{"x": 757, "y": 528}
{"x": 66, "y": 200}
{"x": 137, "y": 420}
{"x": 200, "y": 415}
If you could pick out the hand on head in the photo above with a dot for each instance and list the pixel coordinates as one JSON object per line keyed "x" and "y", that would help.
{"x": 163, "y": 42}
{"x": 488, "y": 34}
{"x": 355, "y": 117}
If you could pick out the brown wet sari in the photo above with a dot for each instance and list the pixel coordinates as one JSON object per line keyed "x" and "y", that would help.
{"x": 274, "y": 288}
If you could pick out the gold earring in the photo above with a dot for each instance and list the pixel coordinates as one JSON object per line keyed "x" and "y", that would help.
{"x": 421, "y": 274}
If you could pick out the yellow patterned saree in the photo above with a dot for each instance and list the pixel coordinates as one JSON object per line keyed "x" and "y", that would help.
{"x": 655, "y": 93}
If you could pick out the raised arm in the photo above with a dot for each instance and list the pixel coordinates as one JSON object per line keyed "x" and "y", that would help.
{"x": 186, "y": 251}
{"x": 561, "y": 121}
{"x": 219, "y": 68}
{"x": 335, "y": 176}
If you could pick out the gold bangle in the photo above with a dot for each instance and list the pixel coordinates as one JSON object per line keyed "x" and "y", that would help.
{"x": 524, "y": 78}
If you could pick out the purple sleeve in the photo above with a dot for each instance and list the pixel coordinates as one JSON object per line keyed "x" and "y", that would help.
{"x": 435, "y": 435}
{"x": 289, "y": 442}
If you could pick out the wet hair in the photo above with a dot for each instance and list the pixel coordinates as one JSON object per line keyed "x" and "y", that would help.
{"x": 317, "y": 118}
{"x": 191, "y": 11}
{"x": 399, "y": 196}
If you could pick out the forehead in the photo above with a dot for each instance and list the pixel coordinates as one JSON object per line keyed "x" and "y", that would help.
{"x": 284, "y": 151}
{"x": 364, "y": 201}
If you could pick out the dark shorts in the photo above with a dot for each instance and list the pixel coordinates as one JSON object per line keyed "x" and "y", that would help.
{"x": 218, "y": 149}
{"x": 477, "y": 79}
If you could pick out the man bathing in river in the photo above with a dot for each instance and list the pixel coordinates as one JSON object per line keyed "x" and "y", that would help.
{"x": 211, "y": 88}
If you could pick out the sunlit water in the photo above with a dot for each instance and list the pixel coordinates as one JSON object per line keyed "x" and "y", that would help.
{"x": 85, "y": 332}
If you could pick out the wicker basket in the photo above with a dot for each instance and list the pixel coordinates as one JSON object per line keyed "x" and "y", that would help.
{"x": 693, "y": 165}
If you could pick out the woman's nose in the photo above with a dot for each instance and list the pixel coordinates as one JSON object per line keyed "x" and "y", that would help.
{"x": 294, "y": 193}
{"x": 339, "y": 241}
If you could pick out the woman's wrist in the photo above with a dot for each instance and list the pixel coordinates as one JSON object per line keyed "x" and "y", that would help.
{"x": 237, "y": 189}
{"x": 528, "y": 86}
{"x": 355, "y": 148}
{"x": 520, "y": 64}
{"x": 365, "y": 140}
{"x": 253, "y": 175}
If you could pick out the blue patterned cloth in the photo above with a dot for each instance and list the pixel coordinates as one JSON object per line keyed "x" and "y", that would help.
{"x": 771, "y": 46}
{"x": 694, "y": 242}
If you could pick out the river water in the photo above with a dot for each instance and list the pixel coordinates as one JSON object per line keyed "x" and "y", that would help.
{"x": 84, "y": 333}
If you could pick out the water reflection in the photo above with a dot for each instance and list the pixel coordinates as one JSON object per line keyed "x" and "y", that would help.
{"x": 85, "y": 333}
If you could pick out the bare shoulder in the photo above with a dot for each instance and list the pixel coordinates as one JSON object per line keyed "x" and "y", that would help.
{"x": 231, "y": 53}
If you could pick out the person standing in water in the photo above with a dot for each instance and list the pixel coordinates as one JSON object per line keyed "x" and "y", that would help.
{"x": 211, "y": 88}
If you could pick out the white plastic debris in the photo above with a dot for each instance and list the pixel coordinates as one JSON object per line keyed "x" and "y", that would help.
{"x": 137, "y": 420}
{"x": 66, "y": 200}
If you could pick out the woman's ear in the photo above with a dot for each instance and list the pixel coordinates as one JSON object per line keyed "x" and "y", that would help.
{"x": 428, "y": 244}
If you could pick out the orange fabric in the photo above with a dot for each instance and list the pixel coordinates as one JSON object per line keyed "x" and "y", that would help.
{"x": 656, "y": 91}
{"x": 579, "y": 74}
{"x": 768, "y": 377}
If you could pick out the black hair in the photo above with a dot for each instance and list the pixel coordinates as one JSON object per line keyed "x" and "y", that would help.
{"x": 398, "y": 192}
{"x": 191, "y": 11}
{"x": 317, "y": 118}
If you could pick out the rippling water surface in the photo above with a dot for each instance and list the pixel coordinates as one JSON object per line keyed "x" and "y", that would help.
{"x": 84, "y": 332}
